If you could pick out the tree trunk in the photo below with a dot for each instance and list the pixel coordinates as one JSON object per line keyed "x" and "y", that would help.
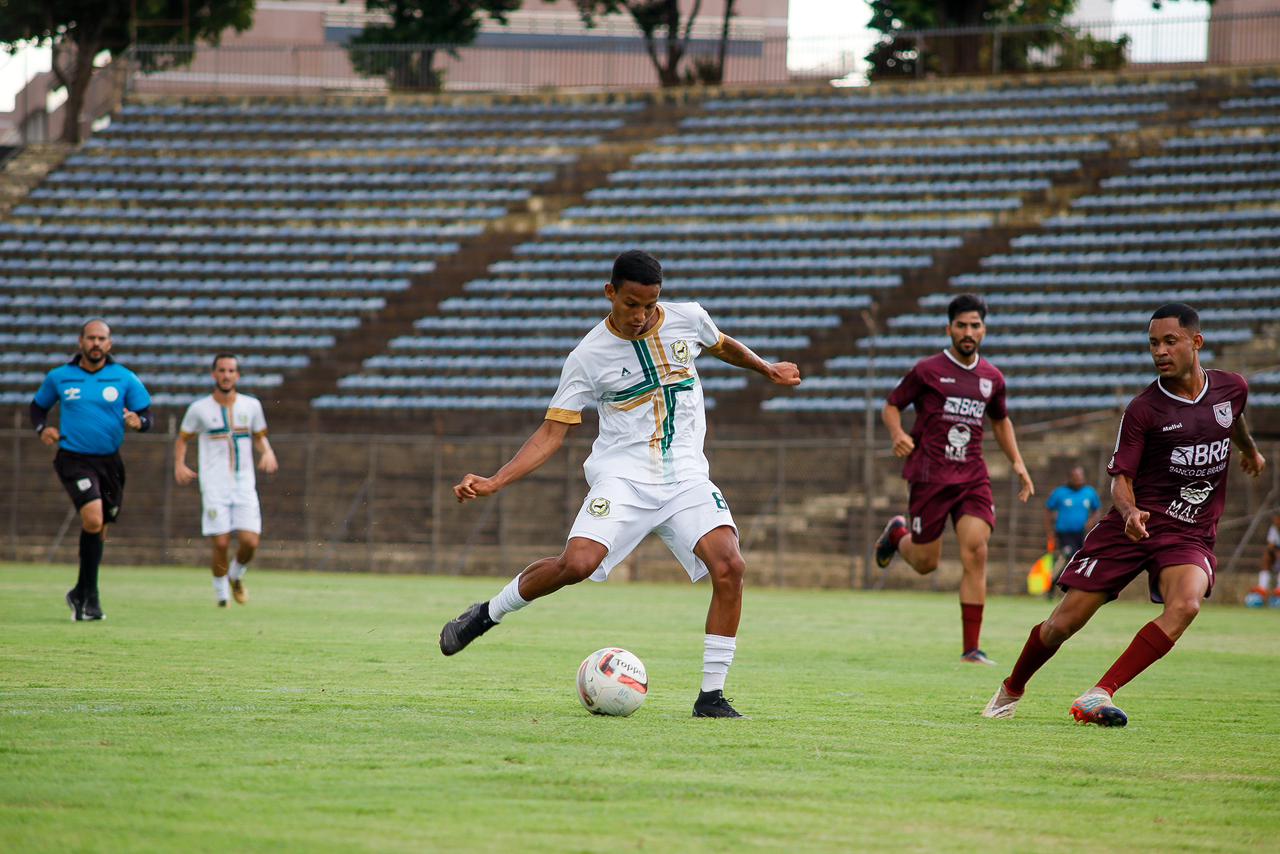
{"x": 724, "y": 39}
{"x": 77, "y": 88}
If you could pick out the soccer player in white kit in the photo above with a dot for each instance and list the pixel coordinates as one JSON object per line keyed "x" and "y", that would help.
{"x": 646, "y": 473}
{"x": 230, "y": 426}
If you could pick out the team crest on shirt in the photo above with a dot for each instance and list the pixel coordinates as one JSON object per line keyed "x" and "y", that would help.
{"x": 599, "y": 507}
{"x": 984, "y": 386}
{"x": 680, "y": 352}
{"x": 1222, "y": 412}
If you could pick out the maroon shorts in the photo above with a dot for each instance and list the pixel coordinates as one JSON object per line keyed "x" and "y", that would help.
{"x": 931, "y": 503}
{"x": 1109, "y": 560}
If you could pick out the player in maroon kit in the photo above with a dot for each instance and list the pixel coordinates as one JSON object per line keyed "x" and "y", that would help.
{"x": 951, "y": 392}
{"x": 1169, "y": 482}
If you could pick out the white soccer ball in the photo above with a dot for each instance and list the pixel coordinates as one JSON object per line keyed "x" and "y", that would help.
{"x": 612, "y": 681}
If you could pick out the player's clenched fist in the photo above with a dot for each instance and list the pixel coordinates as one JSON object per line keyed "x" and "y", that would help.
{"x": 474, "y": 486}
{"x": 1252, "y": 463}
{"x": 50, "y": 436}
{"x": 1135, "y": 525}
{"x": 183, "y": 474}
{"x": 784, "y": 373}
{"x": 903, "y": 445}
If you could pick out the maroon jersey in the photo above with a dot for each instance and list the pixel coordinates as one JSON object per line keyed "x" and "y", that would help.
{"x": 950, "y": 400}
{"x": 1178, "y": 451}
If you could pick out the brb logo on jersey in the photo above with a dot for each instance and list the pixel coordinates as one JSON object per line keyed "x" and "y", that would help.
{"x": 965, "y": 406}
{"x": 1205, "y": 454}
{"x": 1188, "y": 505}
{"x": 958, "y": 443}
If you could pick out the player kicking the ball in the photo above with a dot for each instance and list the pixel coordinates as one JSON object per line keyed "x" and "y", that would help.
{"x": 1168, "y": 485}
{"x": 951, "y": 392}
{"x": 646, "y": 473}
{"x": 230, "y": 425}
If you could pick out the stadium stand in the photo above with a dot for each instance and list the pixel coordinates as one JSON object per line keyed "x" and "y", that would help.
{"x": 274, "y": 229}
{"x": 785, "y": 215}
{"x": 1197, "y": 220}
{"x": 444, "y": 255}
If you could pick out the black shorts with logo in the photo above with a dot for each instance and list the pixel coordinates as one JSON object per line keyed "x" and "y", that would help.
{"x": 89, "y": 477}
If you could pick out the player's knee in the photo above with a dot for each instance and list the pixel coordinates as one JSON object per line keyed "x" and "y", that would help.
{"x": 728, "y": 571}
{"x": 575, "y": 567}
{"x": 925, "y": 563}
{"x": 91, "y": 521}
{"x": 974, "y": 555}
{"x": 1183, "y": 608}
{"x": 1060, "y": 626}
{"x": 247, "y": 540}
{"x": 222, "y": 542}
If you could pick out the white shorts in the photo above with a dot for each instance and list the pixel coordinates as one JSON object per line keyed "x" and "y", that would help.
{"x": 620, "y": 513}
{"x": 227, "y": 512}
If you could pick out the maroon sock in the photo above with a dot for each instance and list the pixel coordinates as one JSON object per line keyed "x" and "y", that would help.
{"x": 1034, "y": 655}
{"x": 971, "y": 619}
{"x": 1149, "y": 645}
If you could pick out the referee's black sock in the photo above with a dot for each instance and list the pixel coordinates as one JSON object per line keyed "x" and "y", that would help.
{"x": 90, "y": 557}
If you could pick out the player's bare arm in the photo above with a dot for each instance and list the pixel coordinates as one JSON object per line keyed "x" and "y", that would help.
{"x": 1135, "y": 520}
{"x": 1251, "y": 460}
{"x": 266, "y": 455}
{"x": 1002, "y": 429}
{"x": 182, "y": 473}
{"x": 903, "y": 444}
{"x": 734, "y": 352}
{"x": 536, "y": 450}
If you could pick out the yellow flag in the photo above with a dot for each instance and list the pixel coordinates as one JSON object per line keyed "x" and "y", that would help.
{"x": 1041, "y": 575}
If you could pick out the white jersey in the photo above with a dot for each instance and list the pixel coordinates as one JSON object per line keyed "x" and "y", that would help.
{"x": 226, "y": 441}
{"x": 1273, "y": 536}
{"x": 652, "y": 419}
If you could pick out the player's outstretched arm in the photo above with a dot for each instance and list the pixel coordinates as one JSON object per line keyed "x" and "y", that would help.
{"x": 266, "y": 455}
{"x": 903, "y": 444}
{"x": 1135, "y": 520}
{"x": 1251, "y": 459}
{"x": 536, "y": 450}
{"x": 181, "y": 473}
{"x": 1002, "y": 428}
{"x": 734, "y": 352}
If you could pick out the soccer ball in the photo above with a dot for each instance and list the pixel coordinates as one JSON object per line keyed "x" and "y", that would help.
{"x": 612, "y": 681}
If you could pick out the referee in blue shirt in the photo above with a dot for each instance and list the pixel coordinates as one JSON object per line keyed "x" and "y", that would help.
{"x": 1071, "y": 509}
{"x": 99, "y": 399}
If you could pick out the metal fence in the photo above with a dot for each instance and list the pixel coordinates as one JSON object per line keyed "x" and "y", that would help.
{"x": 807, "y": 510}
{"x": 617, "y": 58}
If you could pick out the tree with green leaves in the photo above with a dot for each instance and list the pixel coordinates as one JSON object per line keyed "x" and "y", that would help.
{"x": 968, "y": 53}
{"x": 658, "y": 20}
{"x": 404, "y": 49}
{"x": 80, "y": 30}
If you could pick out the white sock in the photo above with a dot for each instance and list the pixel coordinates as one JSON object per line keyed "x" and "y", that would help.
{"x": 221, "y": 588}
{"x": 1264, "y": 579}
{"x": 507, "y": 601}
{"x": 237, "y": 570}
{"x": 717, "y": 655}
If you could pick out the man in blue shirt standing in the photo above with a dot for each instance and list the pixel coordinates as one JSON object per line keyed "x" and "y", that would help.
{"x": 99, "y": 398}
{"x": 1076, "y": 506}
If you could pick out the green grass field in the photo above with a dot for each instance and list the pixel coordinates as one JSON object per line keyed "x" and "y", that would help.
{"x": 322, "y": 717}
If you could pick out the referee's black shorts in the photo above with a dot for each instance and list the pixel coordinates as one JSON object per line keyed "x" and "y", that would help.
{"x": 90, "y": 477}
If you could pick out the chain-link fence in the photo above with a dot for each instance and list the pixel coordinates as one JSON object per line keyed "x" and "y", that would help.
{"x": 807, "y": 510}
